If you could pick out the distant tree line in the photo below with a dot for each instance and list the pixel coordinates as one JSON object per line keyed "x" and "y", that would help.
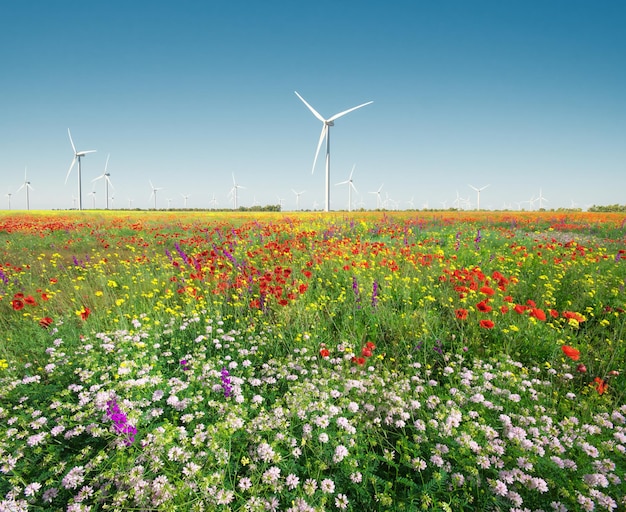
{"x": 608, "y": 208}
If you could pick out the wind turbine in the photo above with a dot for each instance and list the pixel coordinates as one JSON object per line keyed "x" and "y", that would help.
{"x": 541, "y": 199}
{"x": 185, "y": 197}
{"x": 377, "y": 192}
{"x": 154, "y": 193}
{"x": 93, "y": 200}
{"x": 213, "y": 202}
{"x": 233, "y": 192}
{"x": 107, "y": 180}
{"x": 77, "y": 156}
{"x": 351, "y": 186}
{"x": 9, "y": 196}
{"x": 327, "y": 123}
{"x": 298, "y": 194}
{"x": 26, "y": 185}
{"x": 478, "y": 190}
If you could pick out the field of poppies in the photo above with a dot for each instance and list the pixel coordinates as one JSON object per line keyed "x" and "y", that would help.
{"x": 312, "y": 362}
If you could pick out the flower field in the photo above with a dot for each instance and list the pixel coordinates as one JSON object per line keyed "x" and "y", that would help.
{"x": 312, "y": 362}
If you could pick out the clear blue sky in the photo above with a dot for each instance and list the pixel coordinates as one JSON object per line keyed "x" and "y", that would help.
{"x": 517, "y": 95}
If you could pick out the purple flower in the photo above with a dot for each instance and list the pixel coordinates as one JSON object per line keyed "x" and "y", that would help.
{"x": 226, "y": 385}
{"x": 184, "y": 364}
{"x": 375, "y": 294}
{"x": 120, "y": 422}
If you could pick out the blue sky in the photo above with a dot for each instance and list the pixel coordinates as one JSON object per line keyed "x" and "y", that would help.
{"x": 522, "y": 96}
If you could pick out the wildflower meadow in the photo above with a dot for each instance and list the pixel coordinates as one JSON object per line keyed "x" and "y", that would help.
{"x": 371, "y": 361}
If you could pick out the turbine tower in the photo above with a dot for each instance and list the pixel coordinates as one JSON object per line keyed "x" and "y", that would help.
{"x": 233, "y": 192}
{"x": 351, "y": 186}
{"x": 478, "y": 194}
{"x": 326, "y": 124}
{"x": 298, "y": 194}
{"x": 107, "y": 180}
{"x": 77, "y": 156}
{"x": 25, "y": 185}
{"x": 154, "y": 192}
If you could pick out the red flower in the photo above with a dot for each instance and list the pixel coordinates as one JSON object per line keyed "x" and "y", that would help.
{"x": 366, "y": 352}
{"x": 370, "y": 345}
{"x": 17, "y": 304}
{"x": 519, "y": 308}
{"x": 538, "y": 314}
{"x": 487, "y": 324}
{"x": 571, "y": 352}
{"x": 461, "y": 313}
{"x": 359, "y": 360}
{"x": 483, "y": 306}
{"x": 581, "y": 368}
{"x": 45, "y": 322}
{"x": 84, "y": 314}
{"x": 324, "y": 352}
{"x": 554, "y": 313}
{"x": 601, "y": 385}
{"x": 504, "y": 309}
{"x": 30, "y": 301}
{"x": 487, "y": 290}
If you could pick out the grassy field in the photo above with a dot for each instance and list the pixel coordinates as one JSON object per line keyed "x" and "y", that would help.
{"x": 310, "y": 362}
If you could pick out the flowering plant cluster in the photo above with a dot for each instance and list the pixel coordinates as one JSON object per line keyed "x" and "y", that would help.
{"x": 240, "y": 365}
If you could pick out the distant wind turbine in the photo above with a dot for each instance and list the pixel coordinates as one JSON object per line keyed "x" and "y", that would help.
{"x": 185, "y": 197}
{"x": 298, "y": 194}
{"x": 478, "y": 190}
{"x": 351, "y": 186}
{"x": 154, "y": 193}
{"x": 107, "y": 180}
{"x": 213, "y": 202}
{"x": 233, "y": 192}
{"x": 26, "y": 185}
{"x": 377, "y": 192}
{"x": 93, "y": 200}
{"x": 77, "y": 156}
{"x": 541, "y": 199}
{"x": 327, "y": 123}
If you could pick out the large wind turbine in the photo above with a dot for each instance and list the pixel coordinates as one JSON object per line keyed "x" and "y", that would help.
{"x": 9, "y": 196}
{"x": 478, "y": 194}
{"x": 107, "y": 180}
{"x": 351, "y": 186}
{"x": 326, "y": 124}
{"x": 25, "y": 185}
{"x": 77, "y": 156}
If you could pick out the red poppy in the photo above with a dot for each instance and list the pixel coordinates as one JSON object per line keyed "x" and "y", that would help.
{"x": 461, "y": 313}
{"x": 366, "y": 352}
{"x": 601, "y": 385}
{"x": 45, "y": 322}
{"x": 17, "y": 304}
{"x": 554, "y": 313}
{"x": 487, "y": 290}
{"x": 359, "y": 360}
{"x": 538, "y": 314}
{"x": 571, "y": 352}
{"x": 44, "y": 296}
{"x": 487, "y": 324}
{"x": 84, "y": 314}
{"x": 519, "y": 308}
{"x": 581, "y": 368}
{"x": 324, "y": 352}
{"x": 572, "y": 314}
{"x": 504, "y": 309}
{"x": 483, "y": 306}
{"x": 30, "y": 300}
{"x": 370, "y": 345}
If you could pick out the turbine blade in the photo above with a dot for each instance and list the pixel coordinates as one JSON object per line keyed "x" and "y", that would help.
{"x": 20, "y": 188}
{"x": 70, "y": 170}
{"x": 98, "y": 178}
{"x": 337, "y": 116}
{"x": 353, "y": 187}
{"x": 106, "y": 165}
{"x": 315, "y": 112}
{"x": 107, "y": 178}
{"x": 352, "y": 172}
{"x": 71, "y": 141}
{"x": 319, "y": 145}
